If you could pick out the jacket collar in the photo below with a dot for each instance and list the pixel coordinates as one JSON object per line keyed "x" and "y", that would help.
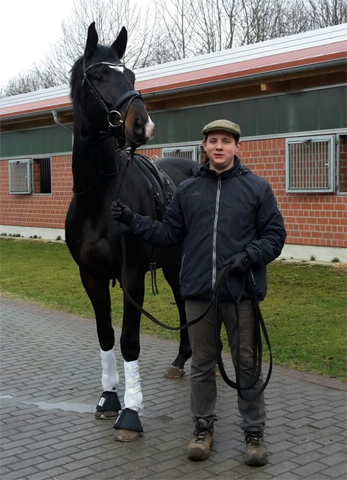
{"x": 232, "y": 172}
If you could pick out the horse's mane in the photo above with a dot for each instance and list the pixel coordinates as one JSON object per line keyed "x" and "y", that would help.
{"x": 76, "y": 73}
{"x": 101, "y": 54}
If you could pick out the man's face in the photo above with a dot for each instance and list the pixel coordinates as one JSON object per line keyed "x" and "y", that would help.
{"x": 220, "y": 148}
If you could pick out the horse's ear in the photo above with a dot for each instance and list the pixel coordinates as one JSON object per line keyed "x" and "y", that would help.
{"x": 120, "y": 44}
{"x": 92, "y": 40}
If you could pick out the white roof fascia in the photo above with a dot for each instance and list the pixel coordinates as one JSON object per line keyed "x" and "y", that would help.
{"x": 276, "y": 46}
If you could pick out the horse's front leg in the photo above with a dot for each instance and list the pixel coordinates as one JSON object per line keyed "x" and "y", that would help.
{"x": 99, "y": 294}
{"x": 128, "y": 425}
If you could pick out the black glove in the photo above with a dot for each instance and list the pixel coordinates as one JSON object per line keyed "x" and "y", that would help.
{"x": 240, "y": 262}
{"x": 121, "y": 213}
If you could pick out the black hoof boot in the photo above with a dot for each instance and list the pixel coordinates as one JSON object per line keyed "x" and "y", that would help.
{"x": 108, "y": 406}
{"x": 128, "y": 426}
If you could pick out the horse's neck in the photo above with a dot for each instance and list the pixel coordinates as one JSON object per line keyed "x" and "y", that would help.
{"x": 91, "y": 158}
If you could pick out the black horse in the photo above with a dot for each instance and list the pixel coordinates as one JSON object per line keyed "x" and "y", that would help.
{"x": 108, "y": 117}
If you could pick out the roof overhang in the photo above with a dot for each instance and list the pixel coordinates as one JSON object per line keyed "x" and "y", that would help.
{"x": 298, "y": 62}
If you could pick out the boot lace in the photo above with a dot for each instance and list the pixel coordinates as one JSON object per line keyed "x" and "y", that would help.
{"x": 254, "y": 438}
{"x": 201, "y": 432}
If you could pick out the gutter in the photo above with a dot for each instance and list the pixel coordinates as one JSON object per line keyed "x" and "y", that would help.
{"x": 57, "y": 122}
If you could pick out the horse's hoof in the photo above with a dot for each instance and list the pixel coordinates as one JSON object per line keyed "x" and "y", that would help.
{"x": 174, "y": 372}
{"x": 106, "y": 415}
{"x": 121, "y": 435}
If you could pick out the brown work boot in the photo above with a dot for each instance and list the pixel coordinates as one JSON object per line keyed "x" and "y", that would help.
{"x": 199, "y": 447}
{"x": 256, "y": 452}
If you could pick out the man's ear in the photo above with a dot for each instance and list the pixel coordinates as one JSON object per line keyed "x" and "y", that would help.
{"x": 239, "y": 145}
{"x": 204, "y": 145}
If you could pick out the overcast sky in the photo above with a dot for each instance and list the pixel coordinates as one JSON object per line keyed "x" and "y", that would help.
{"x": 27, "y": 29}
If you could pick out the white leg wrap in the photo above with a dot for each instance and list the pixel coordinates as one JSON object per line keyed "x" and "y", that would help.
{"x": 110, "y": 376}
{"x": 133, "y": 391}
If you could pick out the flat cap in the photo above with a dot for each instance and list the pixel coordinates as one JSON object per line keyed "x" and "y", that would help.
{"x": 226, "y": 125}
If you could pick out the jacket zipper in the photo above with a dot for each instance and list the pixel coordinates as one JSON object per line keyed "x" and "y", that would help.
{"x": 180, "y": 275}
{"x": 214, "y": 243}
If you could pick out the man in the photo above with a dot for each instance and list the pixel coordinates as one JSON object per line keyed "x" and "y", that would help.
{"x": 224, "y": 214}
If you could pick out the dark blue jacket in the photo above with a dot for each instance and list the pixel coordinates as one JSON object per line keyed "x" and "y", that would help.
{"x": 217, "y": 216}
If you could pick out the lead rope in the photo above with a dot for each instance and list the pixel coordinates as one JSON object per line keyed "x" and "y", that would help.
{"x": 259, "y": 325}
{"x": 215, "y": 302}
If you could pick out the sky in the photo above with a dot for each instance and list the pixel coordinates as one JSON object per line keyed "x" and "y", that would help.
{"x": 28, "y": 27}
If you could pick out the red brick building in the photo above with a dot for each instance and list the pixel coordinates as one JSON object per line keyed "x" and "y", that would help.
{"x": 288, "y": 95}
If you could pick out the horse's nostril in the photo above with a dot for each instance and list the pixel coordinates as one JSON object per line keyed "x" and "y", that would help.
{"x": 139, "y": 123}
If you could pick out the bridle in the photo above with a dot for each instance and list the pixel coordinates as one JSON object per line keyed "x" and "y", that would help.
{"x": 116, "y": 123}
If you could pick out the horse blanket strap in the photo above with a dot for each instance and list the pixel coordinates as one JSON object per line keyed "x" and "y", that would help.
{"x": 162, "y": 186}
{"x": 163, "y": 190}
{"x": 109, "y": 402}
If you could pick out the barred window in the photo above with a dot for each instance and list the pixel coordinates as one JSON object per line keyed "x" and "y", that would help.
{"x": 183, "y": 152}
{"x": 32, "y": 175}
{"x": 310, "y": 164}
{"x": 42, "y": 175}
{"x": 19, "y": 172}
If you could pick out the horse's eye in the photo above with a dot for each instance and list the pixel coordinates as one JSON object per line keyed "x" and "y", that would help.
{"x": 98, "y": 78}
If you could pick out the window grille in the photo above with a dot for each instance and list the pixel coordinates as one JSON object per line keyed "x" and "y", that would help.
{"x": 183, "y": 152}
{"x": 42, "y": 175}
{"x": 310, "y": 164}
{"x": 19, "y": 177}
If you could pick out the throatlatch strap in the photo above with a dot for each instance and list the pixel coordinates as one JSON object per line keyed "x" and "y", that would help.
{"x": 109, "y": 402}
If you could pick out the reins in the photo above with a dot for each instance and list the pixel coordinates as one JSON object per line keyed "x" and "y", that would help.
{"x": 259, "y": 325}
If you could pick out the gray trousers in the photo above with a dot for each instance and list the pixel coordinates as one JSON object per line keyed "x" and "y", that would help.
{"x": 202, "y": 376}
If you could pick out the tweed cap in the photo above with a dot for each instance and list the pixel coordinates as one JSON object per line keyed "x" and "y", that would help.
{"x": 226, "y": 125}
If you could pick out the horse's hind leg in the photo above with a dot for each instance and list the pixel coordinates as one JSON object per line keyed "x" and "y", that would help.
{"x": 176, "y": 369}
{"x": 99, "y": 294}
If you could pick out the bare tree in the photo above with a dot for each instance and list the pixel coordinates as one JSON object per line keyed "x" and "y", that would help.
{"x": 177, "y": 19}
{"x": 34, "y": 79}
{"x": 163, "y": 31}
{"x": 109, "y": 16}
{"x": 261, "y": 20}
{"x": 210, "y": 26}
{"x": 324, "y": 13}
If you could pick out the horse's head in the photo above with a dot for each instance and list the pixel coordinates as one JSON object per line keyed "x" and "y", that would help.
{"x": 103, "y": 88}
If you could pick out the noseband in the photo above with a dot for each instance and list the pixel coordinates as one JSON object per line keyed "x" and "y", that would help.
{"x": 114, "y": 117}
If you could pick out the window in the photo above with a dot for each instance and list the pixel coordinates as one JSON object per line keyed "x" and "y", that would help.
{"x": 19, "y": 176}
{"x": 310, "y": 164}
{"x": 42, "y": 175}
{"x": 184, "y": 152}
{"x": 28, "y": 176}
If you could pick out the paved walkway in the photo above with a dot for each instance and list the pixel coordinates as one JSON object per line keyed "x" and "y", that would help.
{"x": 50, "y": 382}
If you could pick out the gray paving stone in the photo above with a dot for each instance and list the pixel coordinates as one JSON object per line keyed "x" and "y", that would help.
{"x": 20, "y": 474}
{"x": 309, "y": 470}
{"x": 45, "y": 475}
{"x": 336, "y": 471}
{"x": 304, "y": 434}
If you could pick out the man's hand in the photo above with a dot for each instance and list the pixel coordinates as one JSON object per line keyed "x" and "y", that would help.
{"x": 121, "y": 213}
{"x": 239, "y": 263}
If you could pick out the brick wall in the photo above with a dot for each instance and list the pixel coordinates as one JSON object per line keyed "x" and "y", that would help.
{"x": 311, "y": 219}
{"x": 47, "y": 211}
